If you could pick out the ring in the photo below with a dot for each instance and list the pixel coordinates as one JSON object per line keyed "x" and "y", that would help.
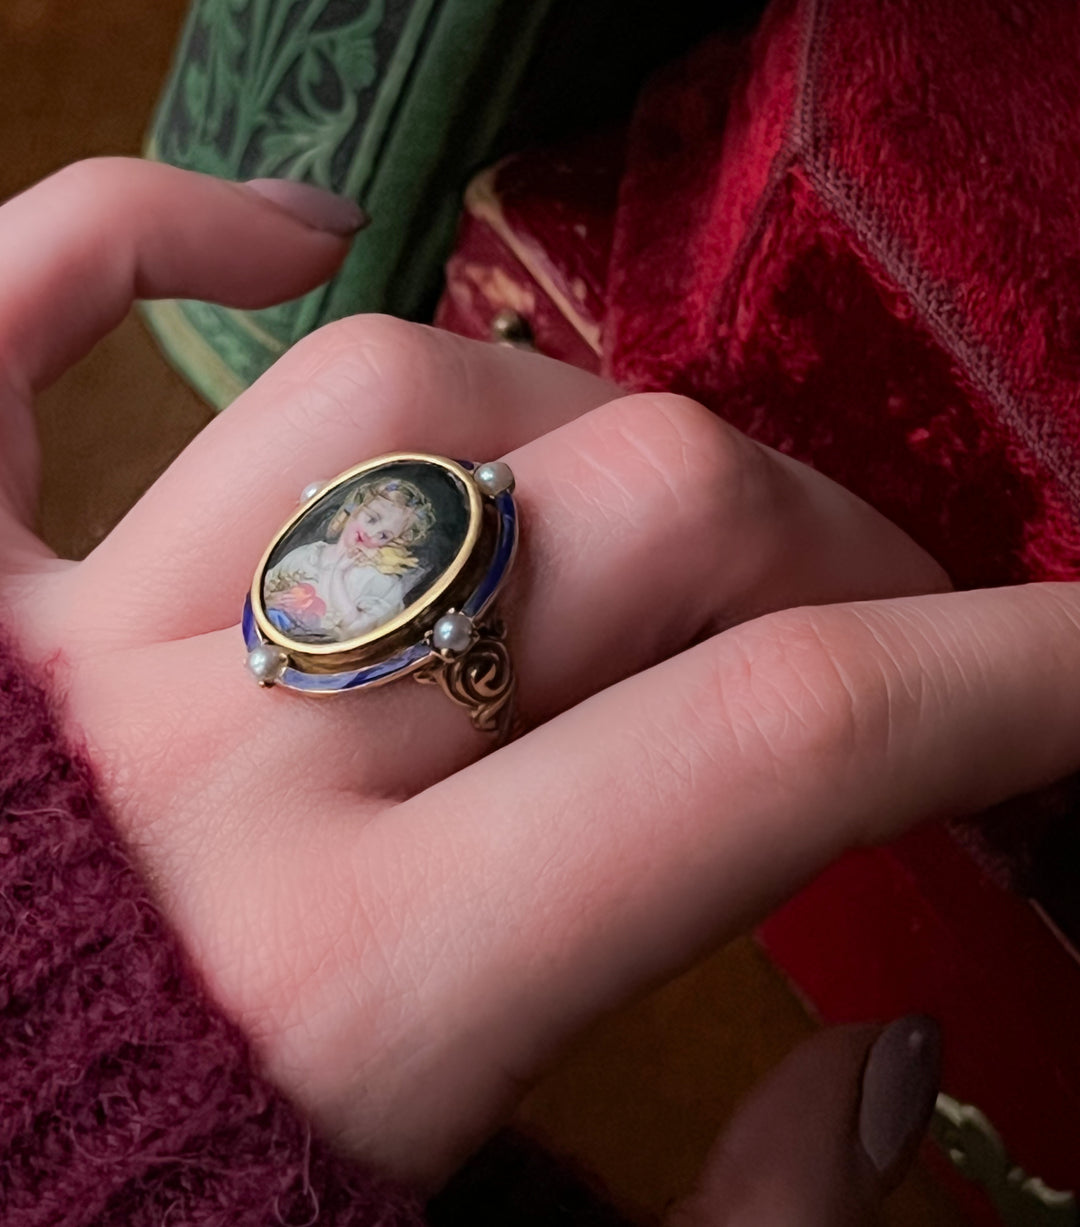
{"x": 391, "y": 570}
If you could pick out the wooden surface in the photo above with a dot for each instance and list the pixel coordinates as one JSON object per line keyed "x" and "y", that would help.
{"x": 641, "y": 1097}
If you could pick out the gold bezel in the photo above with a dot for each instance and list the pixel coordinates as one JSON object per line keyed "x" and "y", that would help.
{"x": 331, "y": 653}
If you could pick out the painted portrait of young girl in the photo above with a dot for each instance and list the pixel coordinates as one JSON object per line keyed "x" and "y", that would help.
{"x": 366, "y": 558}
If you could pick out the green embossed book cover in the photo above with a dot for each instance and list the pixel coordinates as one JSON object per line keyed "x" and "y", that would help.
{"x": 395, "y": 103}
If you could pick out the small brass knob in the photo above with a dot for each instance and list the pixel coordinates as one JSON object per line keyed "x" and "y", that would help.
{"x": 510, "y": 327}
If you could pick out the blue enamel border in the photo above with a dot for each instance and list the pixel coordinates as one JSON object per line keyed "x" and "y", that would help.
{"x": 408, "y": 659}
{"x": 504, "y": 552}
{"x": 351, "y": 678}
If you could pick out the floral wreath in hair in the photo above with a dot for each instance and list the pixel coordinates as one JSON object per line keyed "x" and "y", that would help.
{"x": 393, "y": 559}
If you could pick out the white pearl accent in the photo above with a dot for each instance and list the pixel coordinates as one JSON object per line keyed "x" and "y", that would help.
{"x": 267, "y": 662}
{"x": 312, "y": 490}
{"x": 495, "y": 477}
{"x": 453, "y": 633}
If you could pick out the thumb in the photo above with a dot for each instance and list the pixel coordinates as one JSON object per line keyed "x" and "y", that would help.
{"x": 822, "y": 1140}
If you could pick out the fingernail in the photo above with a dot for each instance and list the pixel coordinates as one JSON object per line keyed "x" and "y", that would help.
{"x": 899, "y": 1087}
{"x": 314, "y": 207}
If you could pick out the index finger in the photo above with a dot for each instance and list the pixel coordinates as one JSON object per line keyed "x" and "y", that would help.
{"x": 80, "y": 247}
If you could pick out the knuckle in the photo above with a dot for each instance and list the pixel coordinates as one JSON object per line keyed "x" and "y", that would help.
{"x": 807, "y": 693}
{"x": 88, "y": 170}
{"x": 668, "y": 447}
{"x": 358, "y": 342}
{"x": 95, "y": 182}
{"x": 357, "y": 367}
{"x": 98, "y": 200}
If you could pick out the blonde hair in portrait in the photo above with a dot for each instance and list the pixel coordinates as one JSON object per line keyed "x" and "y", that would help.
{"x": 392, "y": 557}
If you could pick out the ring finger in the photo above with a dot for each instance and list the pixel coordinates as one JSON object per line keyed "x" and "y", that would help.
{"x": 648, "y": 524}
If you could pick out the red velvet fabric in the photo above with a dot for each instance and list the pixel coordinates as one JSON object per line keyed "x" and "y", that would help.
{"x": 535, "y": 239}
{"x": 865, "y": 251}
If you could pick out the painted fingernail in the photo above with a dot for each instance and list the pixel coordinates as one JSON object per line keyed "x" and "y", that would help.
{"x": 899, "y": 1087}
{"x": 314, "y": 207}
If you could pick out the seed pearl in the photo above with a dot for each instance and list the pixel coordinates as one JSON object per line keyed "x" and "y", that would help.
{"x": 312, "y": 490}
{"x": 453, "y": 633}
{"x": 267, "y": 662}
{"x": 495, "y": 477}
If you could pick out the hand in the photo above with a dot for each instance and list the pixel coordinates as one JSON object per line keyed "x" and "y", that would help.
{"x": 406, "y": 926}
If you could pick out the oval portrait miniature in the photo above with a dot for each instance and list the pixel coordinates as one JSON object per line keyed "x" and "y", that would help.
{"x": 391, "y": 569}
{"x": 367, "y": 552}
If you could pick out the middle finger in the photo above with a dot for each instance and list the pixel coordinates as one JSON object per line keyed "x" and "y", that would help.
{"x": 184, "y": 555}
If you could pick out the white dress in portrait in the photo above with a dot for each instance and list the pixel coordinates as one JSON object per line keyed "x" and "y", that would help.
{"x": 332, "y": 595}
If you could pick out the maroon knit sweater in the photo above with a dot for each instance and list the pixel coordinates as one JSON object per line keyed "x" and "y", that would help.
{"x": 125, "y": 1097}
